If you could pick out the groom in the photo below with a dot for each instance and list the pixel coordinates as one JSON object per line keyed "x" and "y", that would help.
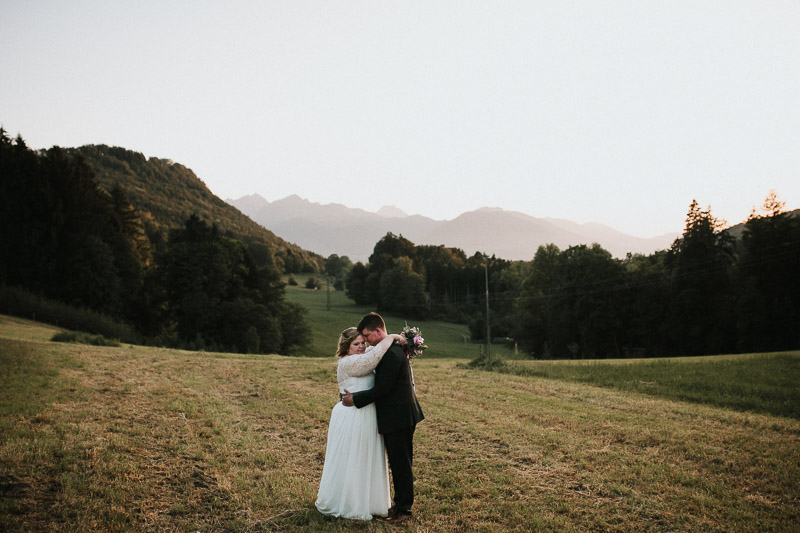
{"x": 398, "y": 412}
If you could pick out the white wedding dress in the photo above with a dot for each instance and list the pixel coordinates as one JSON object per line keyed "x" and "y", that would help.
{"x": 355, "y": 477}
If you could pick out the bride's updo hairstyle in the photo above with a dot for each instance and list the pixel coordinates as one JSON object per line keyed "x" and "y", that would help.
{"x": 345, "y": 339}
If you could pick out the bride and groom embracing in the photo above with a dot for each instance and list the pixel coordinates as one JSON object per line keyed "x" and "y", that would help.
{"x": 374, "y": 420}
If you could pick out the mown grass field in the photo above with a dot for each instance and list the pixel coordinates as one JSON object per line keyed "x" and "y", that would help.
{"x": 145, "y": 439}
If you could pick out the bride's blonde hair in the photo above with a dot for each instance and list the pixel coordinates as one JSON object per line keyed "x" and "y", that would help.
{"x": 347, "y": 337}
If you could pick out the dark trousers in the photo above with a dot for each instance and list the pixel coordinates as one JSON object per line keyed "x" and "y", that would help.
{"x": 400, "y": 451}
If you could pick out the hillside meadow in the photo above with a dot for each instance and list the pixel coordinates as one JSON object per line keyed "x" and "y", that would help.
{"x": 444, "y": 339}
{"x": 147, "y": 439}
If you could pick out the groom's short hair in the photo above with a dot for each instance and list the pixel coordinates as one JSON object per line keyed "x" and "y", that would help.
{"x": 371, "y": 321}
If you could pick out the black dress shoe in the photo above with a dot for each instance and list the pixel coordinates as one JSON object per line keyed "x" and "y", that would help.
{"x": 399, "y": 518}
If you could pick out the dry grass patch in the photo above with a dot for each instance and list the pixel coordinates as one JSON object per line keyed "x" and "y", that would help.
{"x": 136, "y": 438}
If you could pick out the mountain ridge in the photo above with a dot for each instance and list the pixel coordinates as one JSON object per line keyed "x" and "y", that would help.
{"x": 512, "y": 235}
{"x": 166, "y": 193}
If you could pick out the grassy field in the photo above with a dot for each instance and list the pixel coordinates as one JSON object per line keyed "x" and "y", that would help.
{"x": 763, "y": 383}
{"x": 445, "y": 339}
{"x": 135, "y": 438}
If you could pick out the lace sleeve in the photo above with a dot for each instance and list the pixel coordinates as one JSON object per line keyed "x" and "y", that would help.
{"x": 360, "y": 364}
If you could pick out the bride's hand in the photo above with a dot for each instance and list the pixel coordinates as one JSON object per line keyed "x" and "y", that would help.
{"x": 401, "y": 339}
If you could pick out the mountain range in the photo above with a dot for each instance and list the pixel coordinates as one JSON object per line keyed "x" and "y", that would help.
{"x": 337, "y": 229}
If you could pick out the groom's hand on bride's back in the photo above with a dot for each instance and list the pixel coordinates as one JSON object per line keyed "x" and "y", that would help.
{"x": 347, "y": 399}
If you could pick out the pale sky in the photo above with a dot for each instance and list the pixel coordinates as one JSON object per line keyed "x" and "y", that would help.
{"x": 619, "y": 112}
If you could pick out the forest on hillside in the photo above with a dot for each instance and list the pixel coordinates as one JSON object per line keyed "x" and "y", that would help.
{"x": 69, "y": 242}
{"x": 166, "y": 193}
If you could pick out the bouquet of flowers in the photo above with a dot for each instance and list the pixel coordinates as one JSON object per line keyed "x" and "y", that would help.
{"x": 415, "y": 344}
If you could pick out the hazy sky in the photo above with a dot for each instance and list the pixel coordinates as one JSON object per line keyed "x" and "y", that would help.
{"x": 618, "y": 112}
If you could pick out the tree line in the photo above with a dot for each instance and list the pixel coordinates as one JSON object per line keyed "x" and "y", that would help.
{"x": 709, "y": 293}
{"x": 65, "y": 238}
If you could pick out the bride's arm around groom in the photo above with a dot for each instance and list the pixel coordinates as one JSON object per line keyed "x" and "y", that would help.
{"x": 397, "y": 409}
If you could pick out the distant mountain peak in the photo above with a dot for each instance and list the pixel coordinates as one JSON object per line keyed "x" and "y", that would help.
{"x": 293, "y": 198}
{"x": 254, "y": 199}
{"x": 255, "y": 196}
{"x": 391, "y": 211}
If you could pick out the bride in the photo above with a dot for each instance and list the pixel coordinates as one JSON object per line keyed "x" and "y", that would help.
{"x": 355, "y": 477}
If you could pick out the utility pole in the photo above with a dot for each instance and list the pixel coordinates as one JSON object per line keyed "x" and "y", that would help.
{"x": 328, "y": 306}
{"x": 488, "y": 334}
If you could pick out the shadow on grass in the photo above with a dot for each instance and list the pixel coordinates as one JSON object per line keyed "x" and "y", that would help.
{"x": 309, "y": 519}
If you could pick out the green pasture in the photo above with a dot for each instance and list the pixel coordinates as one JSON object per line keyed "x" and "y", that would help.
{"x": 763, "y": 383}
{"x": 444, "y": 339}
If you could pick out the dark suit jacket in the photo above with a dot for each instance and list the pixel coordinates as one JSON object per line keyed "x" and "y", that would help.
{"x": 395, "y": 402}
